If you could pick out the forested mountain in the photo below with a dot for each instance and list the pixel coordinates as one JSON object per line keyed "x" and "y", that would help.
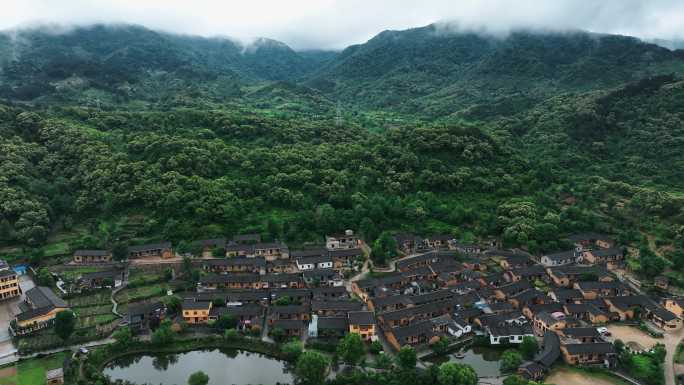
{"x": 435, "y": 71}
{"x": 131, "y": 62}
{"x": 116, "y": 134}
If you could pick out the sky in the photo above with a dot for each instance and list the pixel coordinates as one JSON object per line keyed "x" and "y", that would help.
{"x": 335, "y": 24}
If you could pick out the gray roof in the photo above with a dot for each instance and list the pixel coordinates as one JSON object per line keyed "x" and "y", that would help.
{"x": 337, "y": 323}
{"x": 150, "y": 246}
{"x": 336, "y": 305}
{"x": 570, "y": 254}
{"x": 99, "y": 253}
{"x": 195, "y": 305}
{"x": 361, "y": 318}
{"x": 41, "y": 296}
{"x": 596, "y": 348}
{"x": 551, "y": 351}
{"x": 318, "y": 252}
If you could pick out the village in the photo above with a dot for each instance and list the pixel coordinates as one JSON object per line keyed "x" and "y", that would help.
{"x": 439, "y": 292}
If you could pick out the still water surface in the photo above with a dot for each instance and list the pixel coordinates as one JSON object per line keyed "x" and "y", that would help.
{"x": 224, "y": 367}
{"x": 484, "y": 360}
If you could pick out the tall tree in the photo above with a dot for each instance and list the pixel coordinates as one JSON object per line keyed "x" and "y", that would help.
{"x": 311, "y": 368}
{"x": 65, "y": 323}
{"x": 351, "y": 349}
{"x": 407, "y": 358}
{"x": 451, "y": 373}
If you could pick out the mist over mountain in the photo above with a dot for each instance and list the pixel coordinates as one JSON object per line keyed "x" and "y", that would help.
{"x": 431, "y": 70}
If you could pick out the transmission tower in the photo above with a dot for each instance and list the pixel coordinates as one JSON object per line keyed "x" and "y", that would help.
{"x": 338, "y": 115}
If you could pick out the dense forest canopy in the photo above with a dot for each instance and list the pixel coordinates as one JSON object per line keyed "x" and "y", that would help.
{"x": 121, "y": 134}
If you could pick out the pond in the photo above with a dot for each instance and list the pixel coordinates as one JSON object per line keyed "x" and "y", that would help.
{"x": 223, "y": 366}
{"x": 484, "y": 360}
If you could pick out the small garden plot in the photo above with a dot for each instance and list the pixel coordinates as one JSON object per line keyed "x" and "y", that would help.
{"x": 72, "y": 275}
{"x": 140, "y": 293}
{"x": 94, "y": 310}
{"x": 94, "y": 320}
{"x": 140, "y": 277}
{"x": 100, "y": 298}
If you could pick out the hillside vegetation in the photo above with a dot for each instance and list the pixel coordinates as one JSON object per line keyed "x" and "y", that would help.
{"x": 116, "y": 134}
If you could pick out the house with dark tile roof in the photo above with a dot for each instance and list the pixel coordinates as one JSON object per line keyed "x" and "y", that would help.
{"x": 362, "y": 323}
{"x": 92, "y": 256}
{"x": 566, "y": 276}
{"x": 37, "y": 311}
{"x": 562, "y": 258}
{"x": 152, "y": 250}
{"x": 331, "y": 308}
{"x": 588, "y": 354}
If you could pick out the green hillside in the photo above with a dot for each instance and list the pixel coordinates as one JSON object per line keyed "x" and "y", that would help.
{"x": 118, "y": 133}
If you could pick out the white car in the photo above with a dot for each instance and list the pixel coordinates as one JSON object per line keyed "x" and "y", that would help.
{"x": 602, "y": 330}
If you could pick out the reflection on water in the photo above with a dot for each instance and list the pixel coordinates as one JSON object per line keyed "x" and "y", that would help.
{"x": 224, "y": 367}
{"x": 484, "y": 360}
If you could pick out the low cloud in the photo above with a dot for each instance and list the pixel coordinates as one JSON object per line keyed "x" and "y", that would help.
{"x": 335, "y": 24}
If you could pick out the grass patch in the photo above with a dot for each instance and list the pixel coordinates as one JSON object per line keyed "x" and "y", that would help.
{"x": 31, "y": 371}
{"x": 679, "y": 354}
{"x": 140, "y": 293}
{"x": 101, "y": 298}
{"x": 73, "y": 274}
{"x": 54, "y": 249}
{"x": 589, "y": 375}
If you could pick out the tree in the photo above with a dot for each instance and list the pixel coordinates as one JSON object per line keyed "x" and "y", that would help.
{"x": 231, "y": 334}
{"x": 168, "y": 274}
{"x": 120, "y": 251}
{"x": 218, "y": 302}
{"x": 515, "y": 380}
{"x": 123, "y": 337}
{"x": 198, "y": 378}
{"x": 376, "y": 347}
{"x": 451, "y": 373}
{"x": 651, "y": 264}
{"x": 65, "y": 323}
{"x": 510, "y": 360}
{"x": 441, "y": 347}
{"x": 351, "y": 349}
{"x": 44, "y": 277}
{"x": 163, "y": 335}
{"x": 277, "y": 334}
{"x": 173, "y": 304}
{"x": 384, "y": 248}
{"x": 283, "y": 301}
{"x": 293, "y": 349}
{"x": 383, "y": 361}
{"x": 406, "y": 358}
{"x": 529, "y": 347}
{"x": 218, "y": 252}
{"x": 311, "y": 368}
{"x": 226, "y": 321}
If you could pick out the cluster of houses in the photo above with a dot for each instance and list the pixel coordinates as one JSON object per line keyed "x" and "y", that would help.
{"x": 507, "y": 296}
{"x": 443, "y": 289}
{"x": 299, "y": 292}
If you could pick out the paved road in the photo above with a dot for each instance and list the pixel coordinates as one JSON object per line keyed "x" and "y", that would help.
{"x": 671, "y": 340}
